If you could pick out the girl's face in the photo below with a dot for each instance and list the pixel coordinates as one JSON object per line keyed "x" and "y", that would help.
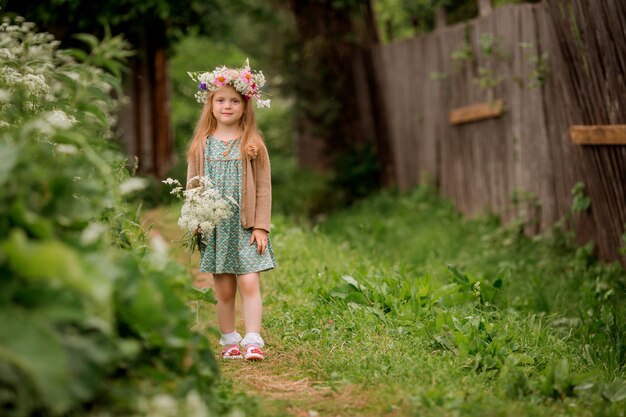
{"x": 228, "y": 106}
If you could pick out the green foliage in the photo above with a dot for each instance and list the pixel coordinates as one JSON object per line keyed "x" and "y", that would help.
{"x": 580, "y": 201}
{"x": 486, "y": 79}
{"x": 464, "y": 53}
{"x": 93, "y": 314}
{"x": 490, "y": 52}
{"x": 398, "y": 19}
{"x": 539, "y": 62}
{"x": 440, "y": 315}
{"x": 490, "y": 46}
{"x": 166, "y": 20}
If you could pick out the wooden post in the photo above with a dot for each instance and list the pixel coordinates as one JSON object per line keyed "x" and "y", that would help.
{"x": 484, "y": 7}
{"x": 440, "y": 17}
{"x": 138, "y": 110}
{"x": 161, "y": 150}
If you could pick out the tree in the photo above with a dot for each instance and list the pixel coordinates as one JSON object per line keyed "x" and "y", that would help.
{"x": 165, "y": 20}
{"x": 332, "y": 36}
{"x": 151, "y": 26}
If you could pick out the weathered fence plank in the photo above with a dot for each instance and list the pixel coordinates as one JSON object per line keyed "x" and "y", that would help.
{"x": 476, "y": 112}
{"x": 592, "y": 37}
{"x": 598, "y": 135}
{"x": 554, "y": 64}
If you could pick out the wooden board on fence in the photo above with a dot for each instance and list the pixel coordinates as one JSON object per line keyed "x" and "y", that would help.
{"x": 598, "y": 134}
{"x": 476, "y": 112}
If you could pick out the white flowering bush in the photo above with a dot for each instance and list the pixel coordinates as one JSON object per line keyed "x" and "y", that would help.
{"x": 93, "y": 315}
{"x": 203, "y": 208}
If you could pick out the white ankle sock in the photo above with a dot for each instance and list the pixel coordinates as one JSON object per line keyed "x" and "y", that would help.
{"x": 230, "y": 338}
{"x": 253, "y": 339}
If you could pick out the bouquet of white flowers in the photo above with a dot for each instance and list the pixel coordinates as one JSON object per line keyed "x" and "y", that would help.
{"x": 203, "y": 208}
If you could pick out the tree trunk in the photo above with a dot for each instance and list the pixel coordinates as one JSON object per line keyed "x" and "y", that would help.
{"x": 331, "y": 40}
{"x": 324, "y": 83}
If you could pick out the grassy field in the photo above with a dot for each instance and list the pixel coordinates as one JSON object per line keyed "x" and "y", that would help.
{"x": 399, "y": 306}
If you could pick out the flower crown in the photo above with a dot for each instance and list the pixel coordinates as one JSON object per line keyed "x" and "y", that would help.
{"x": 247, "y": 82}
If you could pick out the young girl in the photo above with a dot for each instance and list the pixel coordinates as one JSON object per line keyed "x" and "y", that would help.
{"x": 228, "y": 149}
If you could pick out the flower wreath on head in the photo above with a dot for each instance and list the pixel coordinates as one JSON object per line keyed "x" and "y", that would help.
{"x": 247, "y": 82}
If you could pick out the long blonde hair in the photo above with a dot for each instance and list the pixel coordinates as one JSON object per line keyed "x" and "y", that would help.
{"x": 207, "y": 123}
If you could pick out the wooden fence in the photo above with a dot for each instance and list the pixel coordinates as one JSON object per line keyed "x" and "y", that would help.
{"x": 484, "y": 110}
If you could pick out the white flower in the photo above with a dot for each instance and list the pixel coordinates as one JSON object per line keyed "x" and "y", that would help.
{"x": 159, "y": 245}
{"x": 178, "y": 190}
{"x": 4, "y": 95}
{"x": 204, "y": 78}
{"x": 60, "y": 120}
{"x": 194, "y": 406}
{"x": 476, "y": 290}
{"x": 201, "y": 96}
{"x": 40, "y": 125}
{"x": 259, "y": 79}
{"x": 133, "y": 184}
{"x": 92, "y": 233}
{"x": 6, "y": 54}
{"x": 164, "y": 405}
{"x": 171, "y": 181}
{"x": 263, "y": 103}
{"x": 36, "y": 84}
{"x": 65, "y": 148}
{"x": 203, "y": 207}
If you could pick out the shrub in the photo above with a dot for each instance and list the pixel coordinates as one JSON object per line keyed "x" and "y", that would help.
{"x": 93, "y": 316}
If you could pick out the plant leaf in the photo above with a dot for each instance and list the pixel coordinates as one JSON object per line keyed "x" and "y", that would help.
{"x": 35, "y": 350}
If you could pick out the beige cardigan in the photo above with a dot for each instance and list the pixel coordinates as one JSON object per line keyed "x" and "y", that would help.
{"x": 256, "y": 197}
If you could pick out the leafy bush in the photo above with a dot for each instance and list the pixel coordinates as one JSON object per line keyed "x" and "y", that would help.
{"x": 93, "y": 315}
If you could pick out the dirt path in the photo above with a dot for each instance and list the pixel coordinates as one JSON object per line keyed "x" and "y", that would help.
{"x": 282, "y": 386}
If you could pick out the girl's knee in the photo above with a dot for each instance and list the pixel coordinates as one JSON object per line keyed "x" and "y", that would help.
{"x": 225, "y": 296}
{"x": 225, "y": 288}
{"x": 249, "y": 286}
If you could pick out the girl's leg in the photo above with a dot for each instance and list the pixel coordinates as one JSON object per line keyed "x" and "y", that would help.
{"x": 225, "y": 290}
{"x": 250, "y": 291}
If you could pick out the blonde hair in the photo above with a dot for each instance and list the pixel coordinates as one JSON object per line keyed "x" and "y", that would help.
{"x": 207, "y": 123}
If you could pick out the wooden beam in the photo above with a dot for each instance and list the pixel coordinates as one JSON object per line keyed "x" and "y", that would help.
{"x": 440, "y": 17}
{"x": 476, "y": 112}
{"x": 598, "y": 134}
{"x": 484, "y": 7}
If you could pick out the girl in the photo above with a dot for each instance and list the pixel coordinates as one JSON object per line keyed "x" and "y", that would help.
{"x": 228, "y": 148}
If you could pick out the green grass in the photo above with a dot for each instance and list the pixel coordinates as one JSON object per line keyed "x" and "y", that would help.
{"x": 400, "y": 306}
{"x": 384, "y": 296}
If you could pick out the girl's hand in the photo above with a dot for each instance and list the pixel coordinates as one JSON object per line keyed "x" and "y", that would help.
{"x": 260, "y": 236}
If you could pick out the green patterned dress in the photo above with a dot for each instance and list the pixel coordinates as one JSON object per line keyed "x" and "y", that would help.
{"x": 228, "y": 250}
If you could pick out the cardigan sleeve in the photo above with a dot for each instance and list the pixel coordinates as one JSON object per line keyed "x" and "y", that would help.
{"x": 263, "y": 185}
